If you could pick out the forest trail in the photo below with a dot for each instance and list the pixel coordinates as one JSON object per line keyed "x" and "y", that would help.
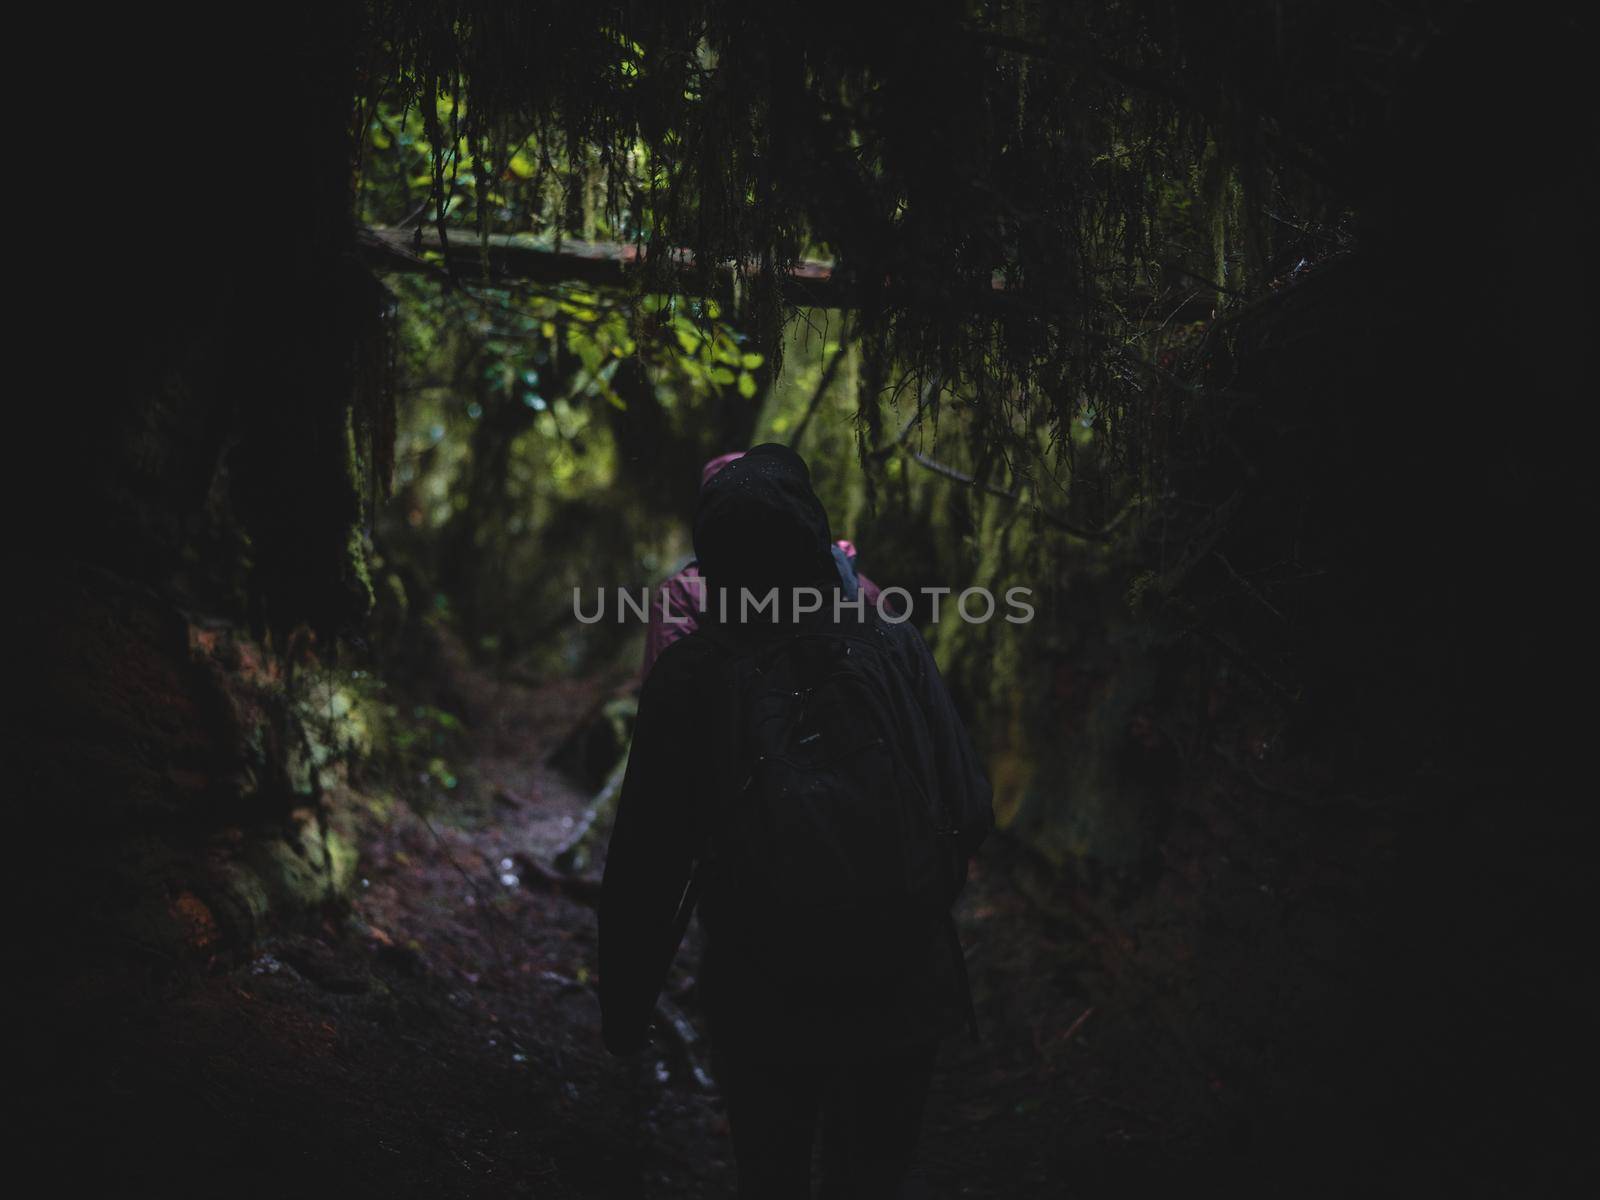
{"x": 443, "y": 1038}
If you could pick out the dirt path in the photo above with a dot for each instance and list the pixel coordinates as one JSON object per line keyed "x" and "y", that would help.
{"x": 1030, "y": 1107}
{"x": 443, "y": 1038}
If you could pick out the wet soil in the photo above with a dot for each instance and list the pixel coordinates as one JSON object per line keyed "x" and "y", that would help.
{"x": 441, "y": 1037}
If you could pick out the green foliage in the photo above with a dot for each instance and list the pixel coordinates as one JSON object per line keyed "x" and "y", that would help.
{"x": 1050, "y": 218}
{"x": 1098, "y": 163}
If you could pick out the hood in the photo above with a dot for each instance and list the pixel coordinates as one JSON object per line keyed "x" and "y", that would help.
{"x": 759, "y": 526}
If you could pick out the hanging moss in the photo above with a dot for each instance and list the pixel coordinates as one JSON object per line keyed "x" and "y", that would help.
{"x": 1030, "y": 144}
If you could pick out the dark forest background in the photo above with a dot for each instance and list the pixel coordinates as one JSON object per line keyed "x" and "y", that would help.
{"x": 1250, "y": 335}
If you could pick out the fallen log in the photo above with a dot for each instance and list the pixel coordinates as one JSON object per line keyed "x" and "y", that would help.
{"x": 576, "y": 853}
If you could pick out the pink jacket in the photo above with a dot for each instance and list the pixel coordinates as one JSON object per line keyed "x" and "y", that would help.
{"x": 677, "y": 600}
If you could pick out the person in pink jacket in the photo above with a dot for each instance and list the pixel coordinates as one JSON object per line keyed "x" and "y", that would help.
{"x": 675, "y": 606}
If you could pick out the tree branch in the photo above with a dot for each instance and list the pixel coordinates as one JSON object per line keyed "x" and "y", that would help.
{"x": 1052, "y": 518}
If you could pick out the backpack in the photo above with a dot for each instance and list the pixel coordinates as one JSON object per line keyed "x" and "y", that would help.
{"x": 835, "y": 843}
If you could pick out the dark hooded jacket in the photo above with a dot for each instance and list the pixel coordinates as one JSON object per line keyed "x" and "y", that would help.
{"x": 759, "y": 526}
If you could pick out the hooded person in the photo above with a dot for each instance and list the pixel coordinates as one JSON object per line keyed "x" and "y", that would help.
{"x": 758, "y": 528}
{"x": 678, "y": 601}
{"x": 789, "y": 1056}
